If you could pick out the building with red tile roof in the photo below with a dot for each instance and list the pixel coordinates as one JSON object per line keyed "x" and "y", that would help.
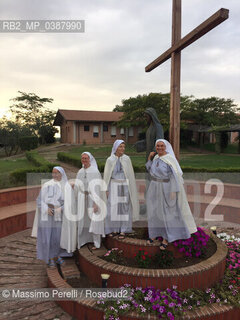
{"x": 93, "y": 127}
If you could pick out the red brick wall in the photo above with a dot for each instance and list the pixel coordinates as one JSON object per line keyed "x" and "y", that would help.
{"x": 88, "y": 137}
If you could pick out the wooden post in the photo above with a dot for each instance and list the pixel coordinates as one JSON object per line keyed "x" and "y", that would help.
{"x": 174, "y": 131}
{"x": 174, "y": 53}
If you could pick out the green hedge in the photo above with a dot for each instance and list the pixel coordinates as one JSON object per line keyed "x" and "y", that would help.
{"x": 20, "y": 175}
{"x": 28, "y": 142}
{"x": 38, "y": 160}
{"x": 75, "y": 160}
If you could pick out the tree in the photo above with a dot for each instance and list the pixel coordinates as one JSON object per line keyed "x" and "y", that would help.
{"x": 29, "y": 110}
{"x": 134, "y": 108}
{"x": 211, "y": 111}
{"x": 10, "y": 133}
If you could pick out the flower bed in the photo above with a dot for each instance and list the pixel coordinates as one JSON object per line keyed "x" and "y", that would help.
{"x": 195, "y": 249}
{"x": 142, "y": 259}
{"x": 195, "y": 246}
{"x": 171, "y": 303}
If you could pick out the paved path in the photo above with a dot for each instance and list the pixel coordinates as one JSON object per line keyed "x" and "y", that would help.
{"x": 19, "y": 268}
{"x": 51, "y": 156}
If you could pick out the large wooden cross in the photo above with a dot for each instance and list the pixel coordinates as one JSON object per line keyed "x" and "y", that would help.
{"x": 174, "y": 53}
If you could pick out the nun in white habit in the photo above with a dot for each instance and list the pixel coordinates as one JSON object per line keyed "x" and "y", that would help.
{"x": 53, "y": 226}
{"x": 122, "y": 203}
{"x": 169, "y": 215}
{"x": 91, "y": 202}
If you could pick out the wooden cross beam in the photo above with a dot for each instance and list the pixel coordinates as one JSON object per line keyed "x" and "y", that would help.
{"x": 174, "y": 53}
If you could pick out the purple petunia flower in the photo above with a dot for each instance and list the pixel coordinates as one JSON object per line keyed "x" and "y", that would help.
{"x": 170, "y": 315}
{"x": 162, "y": 309}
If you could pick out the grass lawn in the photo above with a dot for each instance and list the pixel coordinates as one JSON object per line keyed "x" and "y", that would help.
{"x": 6, "y": 166}
{"x": 210, "y": 161}
{"x": 101, "y": 153}
{"x": 231, "y": 148}
{"x": 10, "y": 165}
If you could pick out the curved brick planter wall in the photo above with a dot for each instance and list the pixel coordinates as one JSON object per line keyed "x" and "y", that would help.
{"x": 86, "y": 309}
{"x": 11, "y": 196}
{"x": 201, "y": 275}
{"x": 14, "y": 210}
{"x": 17, "y": 208}
{"x": 132, "y": 246}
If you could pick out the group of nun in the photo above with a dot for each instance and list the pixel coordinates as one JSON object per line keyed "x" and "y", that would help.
{"x": 69, "y": 216}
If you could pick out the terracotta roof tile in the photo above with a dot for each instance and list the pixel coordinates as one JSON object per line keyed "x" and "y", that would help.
{"x": 84, "y": 115}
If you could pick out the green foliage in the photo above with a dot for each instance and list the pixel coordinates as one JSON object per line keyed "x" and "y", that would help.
{"x": 210, "y": 162}
{"x": 10, "y": 133}
{"x": 75, "y": 160}
{"x": 115, "y": 256}
{"x": 47, "y": 133}
{"x": 38, "y": 160}
{"x": 29, "y": 110}
{"x": 20, "y": 175}
{"x": 190, "y": 163}
{"x": 143, "y": 259}
{"x": 134, "y": 108}
{"x": 224, "y": 140}
{"x": 231, "y": 148}
{"x": 28, "y": 142}
{"x": 207, "y": 111}
{"x": 211, "y": 111}
{"x": 163, "y": 259}
{"x": 7, "y": 165}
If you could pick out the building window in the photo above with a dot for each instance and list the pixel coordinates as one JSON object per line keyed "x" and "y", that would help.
{"x": 105, "y": 127}
{"x": 139, "y": 130}
{"x": 130, "y": 132}
{"x": 113, "y": 131}
{"x": 95, "y": 131}
{"x": 122, "y": 131}
{"x": 86, "y": 127}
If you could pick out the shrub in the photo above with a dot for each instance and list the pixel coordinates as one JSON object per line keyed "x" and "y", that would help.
{"x": 143, "y": 259}
{"x": 114, "y": 255}
{"x": 163, "y": 259}
{"x": 38, "y": 160}
{"x": 70, "y": 158}
{"x": 28, "y": 142}
{"x": 20, "y": 175}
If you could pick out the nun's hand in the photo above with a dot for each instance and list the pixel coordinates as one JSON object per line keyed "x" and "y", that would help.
{"x": 173, "y": 195}
{"x": 50, "y": 211}
{"x": 95, "y": 208}
{"x": 58, "y": 210}
{"x": 107, "y": 193}
{"x": 151, "y": 155}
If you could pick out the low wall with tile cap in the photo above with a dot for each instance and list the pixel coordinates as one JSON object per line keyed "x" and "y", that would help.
{"x": 11, "y": 196}
{"x": 201, "y": 275}
{"x": 17, "y": 208}
{"x": 131, "y": 246}
{"x": 87, "y": 309}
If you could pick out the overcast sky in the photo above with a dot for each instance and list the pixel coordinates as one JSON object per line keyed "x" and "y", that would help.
{"x": 95, "y": 70}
